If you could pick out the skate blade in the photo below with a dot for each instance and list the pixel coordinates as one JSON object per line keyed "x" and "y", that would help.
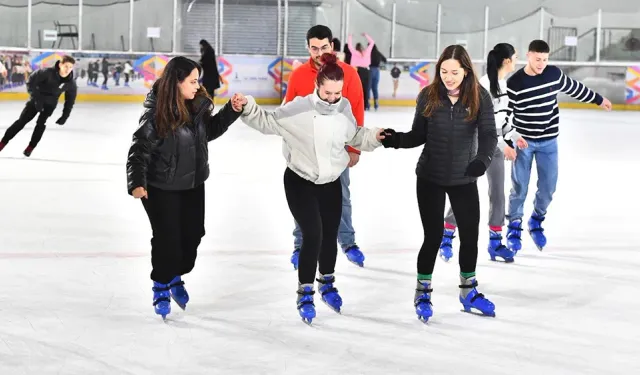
{"x": 332, "y": 308}
{"x": 423, "y": 319}
{"x": 307, "y": 321}
{"x": 181, "y": 306}
{"x": 474, "y": 311}
{"x": 499, "y": 259}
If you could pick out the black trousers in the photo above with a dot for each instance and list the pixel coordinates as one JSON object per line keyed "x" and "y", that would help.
{"x": 465, "y": 204}
{"x": 365, "y": 78}
{"x": 177, "y": 221}
{"x": 317, "y": 209}
{"x": 28, "y": 113}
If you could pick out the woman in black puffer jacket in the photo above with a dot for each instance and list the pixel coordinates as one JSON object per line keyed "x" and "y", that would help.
{"x": 454, "y": 120}
{"x": 167, "y": 167}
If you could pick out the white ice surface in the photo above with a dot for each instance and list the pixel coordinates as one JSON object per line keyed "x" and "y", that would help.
{"x": 75, "y": 293}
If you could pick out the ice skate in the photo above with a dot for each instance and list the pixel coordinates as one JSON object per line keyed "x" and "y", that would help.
{"x": 471, "y": 299}
{"x": 161, "y": 301}
{"x": 178, "y": 292}
{"x": 354, "y": 255}
{"x": 537, "y": 232}
{"x": 329, "y": 294}
{"x": 497, "y": 249}
{"x": 422, "y": 300}
{"x": 306, "y": 307}
{"x": 446, "y": 246}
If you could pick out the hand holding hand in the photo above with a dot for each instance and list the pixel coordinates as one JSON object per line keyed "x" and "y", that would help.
{"x": 238, "y": 101}
{"x": 380, "y": 135}
{"x": 509, "y": 153}
{"x": 475, "y": 169}
{"x": 606, "y": 104}
{"x": 388, "y": 139}
{"x": 140, "y": 192}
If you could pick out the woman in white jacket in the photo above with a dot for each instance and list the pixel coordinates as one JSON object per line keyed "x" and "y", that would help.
{"x": 500, "y": 62}
{"x": 316, "y": 130}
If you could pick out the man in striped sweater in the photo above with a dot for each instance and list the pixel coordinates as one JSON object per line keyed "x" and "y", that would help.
{"x": 533, "y": 113}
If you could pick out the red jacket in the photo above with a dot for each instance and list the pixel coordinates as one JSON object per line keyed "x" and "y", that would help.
{"x": 302, "y": 83}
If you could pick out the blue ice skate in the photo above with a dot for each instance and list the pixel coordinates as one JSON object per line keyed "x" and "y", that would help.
{"x": 330, "y": 294}
{"x": 422, "y": 300}
{"x": 514, "y": 236}
{"x": 354, "y": 255}
{"x": 446, "y": 250}
{"x": 306, "y": 308}
{"x": 178, "y": 292}
{"x": 161, "y": 301}
{"x": 476, "y": 300}
{"x": 537, "y": 232}
{"x": 295, "y": 257}
{"x": 497, "y": 249}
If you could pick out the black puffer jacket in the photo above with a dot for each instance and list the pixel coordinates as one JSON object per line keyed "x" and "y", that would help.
{"x": 451, "y": 142}
{"x": 181, "y": 160}
{"x": 45, "y": 86}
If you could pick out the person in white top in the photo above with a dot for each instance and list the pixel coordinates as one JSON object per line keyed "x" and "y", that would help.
{"x": 316, "y": 130}
{"x": 500, "y": 62}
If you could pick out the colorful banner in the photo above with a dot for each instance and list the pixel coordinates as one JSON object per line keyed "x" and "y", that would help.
{"x": 632, "y": 82}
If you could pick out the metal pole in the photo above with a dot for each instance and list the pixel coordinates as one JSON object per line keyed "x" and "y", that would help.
{"x": 347, "y": 15}
{"x": 599, "y": 35}
{"x": 486, "y": 30}
{"x": 220, "y": 21}
{"x": 174, "y": 47}
{"x": 279, "y": 28}
{"x": 130, "y": 25}
{"x": 392, "y": 51}
{"x": 216, "y": 42}
{"x": 541, "y": 23}
{"x": 80, "y": 23}
{"x": 438, "y": 29}
{"x": 286, "y": 27}
{"x": 29, "y": 14}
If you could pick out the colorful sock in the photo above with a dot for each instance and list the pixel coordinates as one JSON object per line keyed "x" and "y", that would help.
{"x": 449, "y": 226}
{"x": 495, "y": 228}
{"x": 422, "y": 276}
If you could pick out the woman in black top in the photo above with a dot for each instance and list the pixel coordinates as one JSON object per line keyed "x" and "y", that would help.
{"x": 210, "y": 76}
{"x": 167, "y": 166}
{"x": 454, "y": 120}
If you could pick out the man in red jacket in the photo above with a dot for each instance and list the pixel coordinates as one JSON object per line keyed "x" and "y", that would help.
{"x": 302, "y": 83}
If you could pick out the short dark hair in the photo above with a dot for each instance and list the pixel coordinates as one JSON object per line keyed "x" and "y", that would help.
{"x": 539, "y": 46}
{"x": 67, "y": 59}
{"x": 319, "y": 32}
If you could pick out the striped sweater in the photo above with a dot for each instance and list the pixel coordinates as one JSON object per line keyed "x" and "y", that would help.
{"x": 533, "y": 101}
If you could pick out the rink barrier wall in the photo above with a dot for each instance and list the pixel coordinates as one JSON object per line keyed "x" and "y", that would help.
{"x": 112, "y": 98}
{"x": 266, "y": 78}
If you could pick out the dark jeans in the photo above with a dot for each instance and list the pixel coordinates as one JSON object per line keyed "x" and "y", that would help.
{"x": 317, "y": 209}
{"x": 466, "y": 207}
{"x": 177, "y": 221}
{"x": 28, "y": 113}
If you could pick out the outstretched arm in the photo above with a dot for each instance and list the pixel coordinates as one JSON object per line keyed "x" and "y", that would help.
{"x": 266, "y": 122}
{"x": 366, "y": 139}
{"x": 219, "y": 123}
{"x": 578, "y": 90}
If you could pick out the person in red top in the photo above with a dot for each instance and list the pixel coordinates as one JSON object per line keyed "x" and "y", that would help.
{"x": 302, "y": 83}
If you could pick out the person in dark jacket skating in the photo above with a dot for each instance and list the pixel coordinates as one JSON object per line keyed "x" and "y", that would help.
{"x": 454, "y": 120}
{"x": 45, "y": 87}
{"x": 167, "y": 166}
{"x": 210, "y": 76}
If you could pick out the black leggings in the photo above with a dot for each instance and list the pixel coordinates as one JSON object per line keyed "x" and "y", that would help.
{"x": 28, "y": 113}
{"x": 317, "y": 209}
{"x": 177, "y": 221}
{"x": 466, "y": 208}
{"x": 365, "y": 78}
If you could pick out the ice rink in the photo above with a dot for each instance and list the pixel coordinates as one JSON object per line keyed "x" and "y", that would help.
{"x": 75, "y": 294}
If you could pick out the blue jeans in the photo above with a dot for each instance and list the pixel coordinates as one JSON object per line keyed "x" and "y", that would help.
{"x": 546, "y": 155}
{"x": 346, "y": 233}
{"x": 374, "y": 82}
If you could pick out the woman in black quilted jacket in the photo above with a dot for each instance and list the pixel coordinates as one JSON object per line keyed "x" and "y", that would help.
{"x": 167, "y": 166}
{"x": 454, "y": 120}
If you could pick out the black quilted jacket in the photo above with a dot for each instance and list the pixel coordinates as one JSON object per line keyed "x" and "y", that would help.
{"x": 180, "y": 161}
{"x": 451, "y": 142}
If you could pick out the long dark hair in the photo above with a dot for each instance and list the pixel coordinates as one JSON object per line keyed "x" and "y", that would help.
{"x": 172, "y": 110}
{"x": 469, "y": 88}
{"x": 495, "y": 59}
{"x": 207, "y": 52}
